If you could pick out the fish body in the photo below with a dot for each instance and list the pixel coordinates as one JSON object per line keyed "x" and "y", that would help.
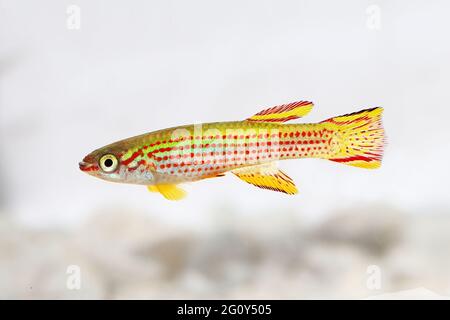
{"x": 250, "y": 149}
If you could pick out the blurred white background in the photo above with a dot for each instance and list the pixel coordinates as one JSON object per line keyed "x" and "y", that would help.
{"x": 138, "y": 66}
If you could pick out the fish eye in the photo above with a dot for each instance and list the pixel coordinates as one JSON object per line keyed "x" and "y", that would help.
{"x": 108, "y": 163}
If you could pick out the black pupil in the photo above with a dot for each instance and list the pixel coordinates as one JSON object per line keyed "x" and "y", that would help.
{"x": 108, "y": 163}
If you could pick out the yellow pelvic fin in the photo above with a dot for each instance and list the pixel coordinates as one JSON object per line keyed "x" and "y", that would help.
{"x": 283, "y": 112}
{"x": 169, "y": 191}
{"x": 267, "y": 176}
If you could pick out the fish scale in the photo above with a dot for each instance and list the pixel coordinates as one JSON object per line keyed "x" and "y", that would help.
{"x": 236, "y": 144}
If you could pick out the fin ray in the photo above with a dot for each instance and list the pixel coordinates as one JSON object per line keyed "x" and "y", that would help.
{"x": 360, "y": 138}
{"x": 283, "y": 112}
{"x": 168, "y": 191}
{"x": 267, "y": 176}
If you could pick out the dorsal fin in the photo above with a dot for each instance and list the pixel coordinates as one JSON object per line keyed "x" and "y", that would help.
{"x": 283, "y": 113}
{"x": 267, "y": 176}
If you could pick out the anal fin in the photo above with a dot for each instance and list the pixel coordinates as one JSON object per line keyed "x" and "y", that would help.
{"x": 169, "y": 191}
{"x": 267, "y": 176}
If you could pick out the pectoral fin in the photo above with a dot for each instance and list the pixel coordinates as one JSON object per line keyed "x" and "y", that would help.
{"x": 169, "y": 191}
{"x": 267, "y": 176}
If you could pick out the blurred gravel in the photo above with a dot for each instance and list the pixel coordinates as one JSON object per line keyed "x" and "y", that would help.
{"x": 125, "y": 254}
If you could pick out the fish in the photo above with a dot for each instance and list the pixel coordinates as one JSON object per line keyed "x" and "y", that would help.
{"x": 250, "y": 149}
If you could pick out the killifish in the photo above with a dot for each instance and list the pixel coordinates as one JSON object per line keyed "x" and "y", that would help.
{"x": 249, "y": 149}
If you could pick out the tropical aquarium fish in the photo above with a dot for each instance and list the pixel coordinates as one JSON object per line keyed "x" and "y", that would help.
{"x": 249, "y": 149}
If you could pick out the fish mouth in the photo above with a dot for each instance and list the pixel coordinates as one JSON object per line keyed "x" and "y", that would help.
{"x": 84, "y": 166}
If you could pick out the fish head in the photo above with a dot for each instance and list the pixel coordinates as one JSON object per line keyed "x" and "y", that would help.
{"x": 112, "y": 163}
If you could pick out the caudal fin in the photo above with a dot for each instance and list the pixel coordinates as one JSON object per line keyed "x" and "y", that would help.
{"x": 359, "y": 138}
